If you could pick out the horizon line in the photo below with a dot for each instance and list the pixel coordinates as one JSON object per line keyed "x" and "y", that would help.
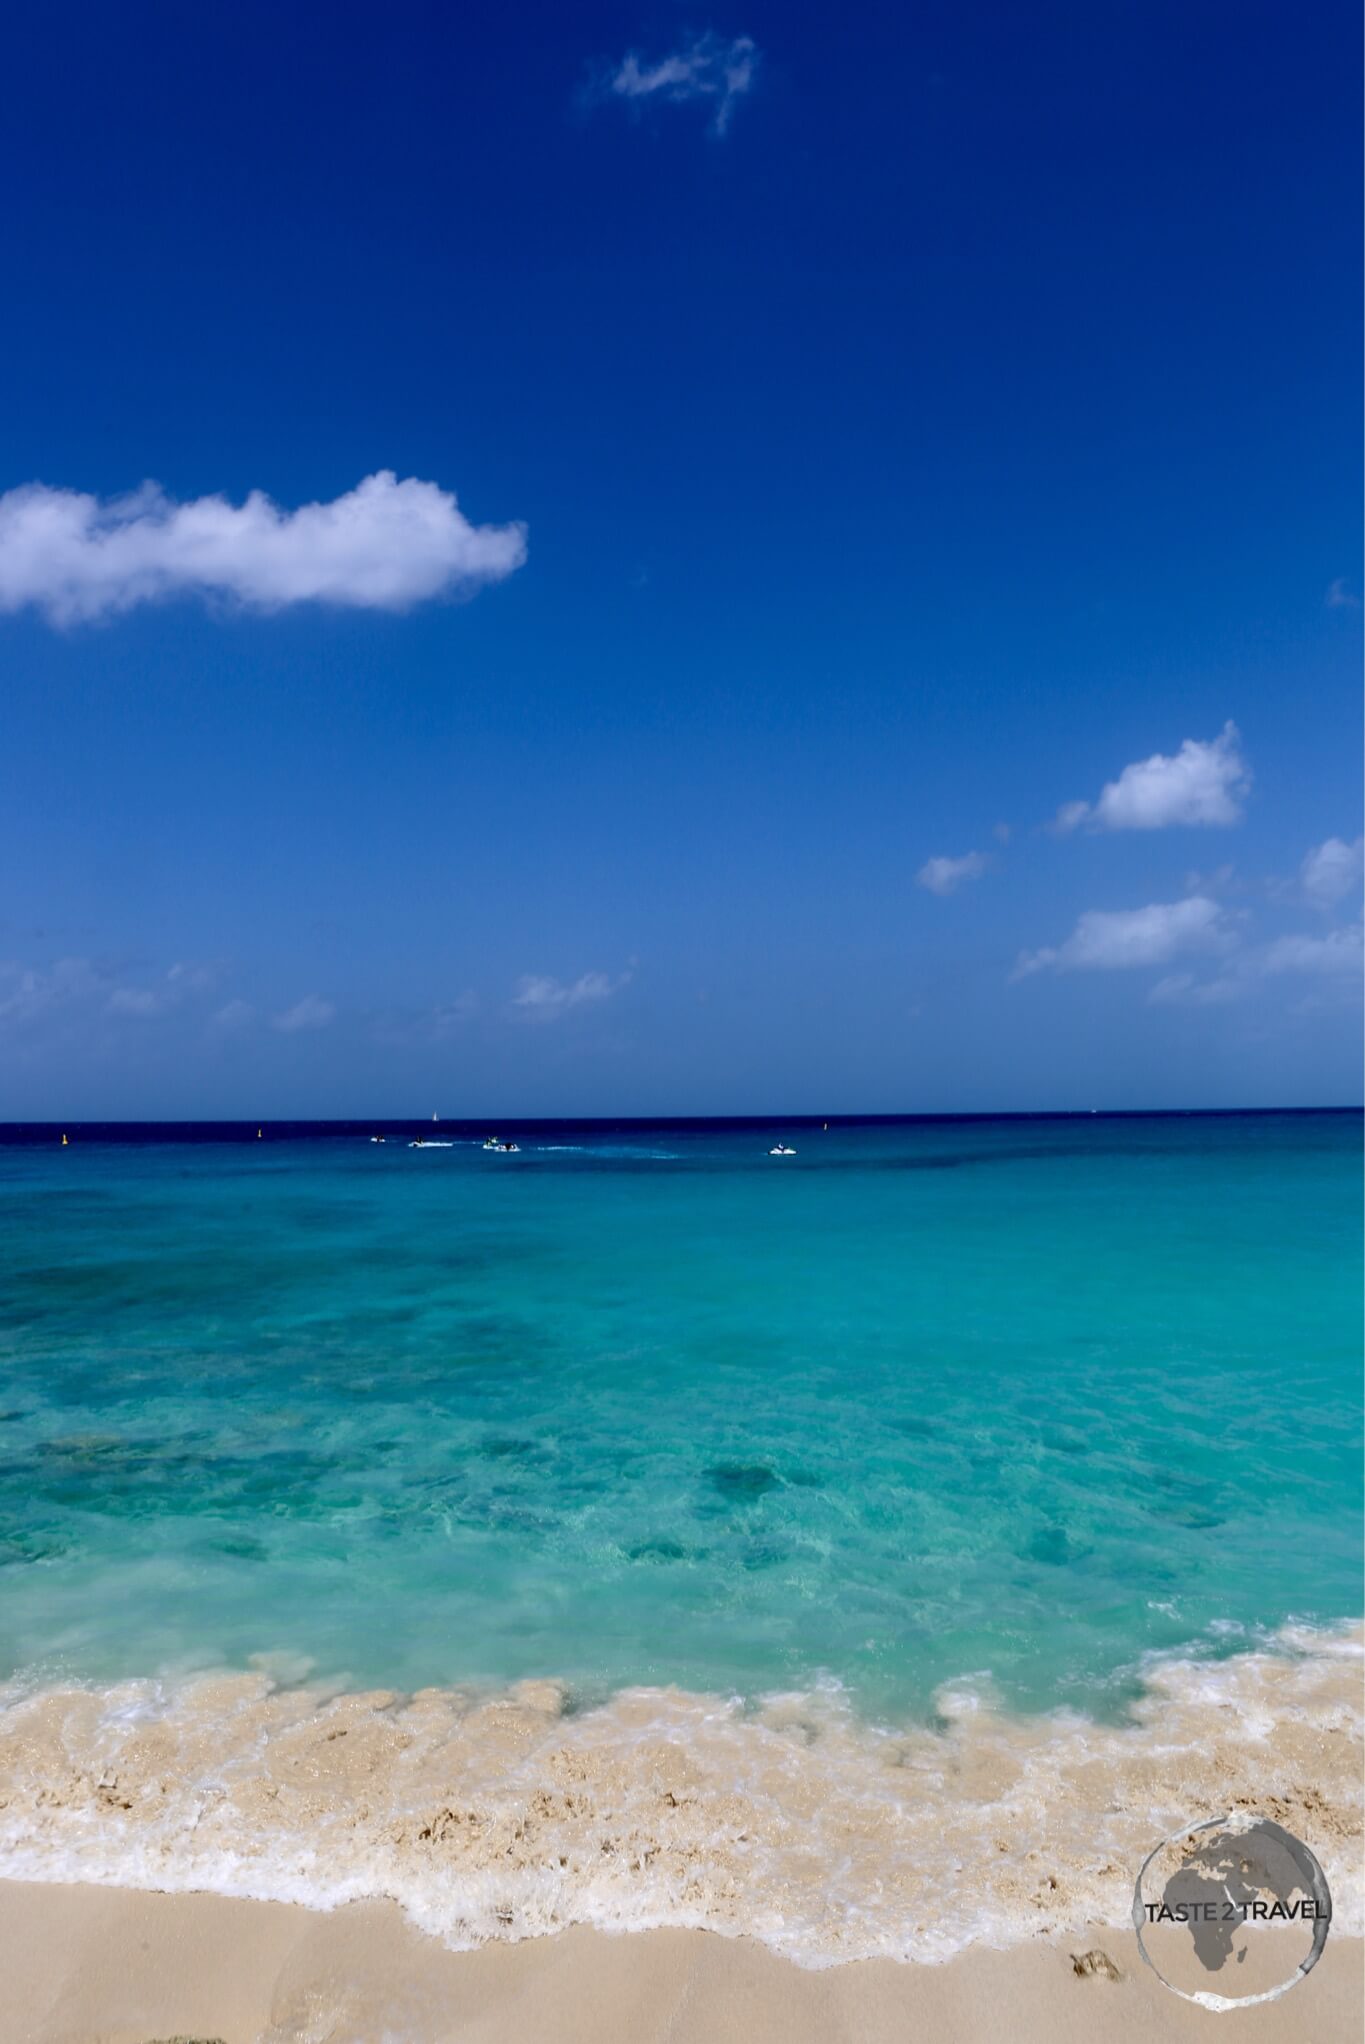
{"x": 794, "y": 1118}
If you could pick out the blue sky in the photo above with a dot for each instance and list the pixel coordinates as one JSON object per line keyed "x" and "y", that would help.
{"x": 820, "y": 443}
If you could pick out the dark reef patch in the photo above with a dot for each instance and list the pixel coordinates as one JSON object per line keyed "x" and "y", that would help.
{"x": 743, "y": 1480}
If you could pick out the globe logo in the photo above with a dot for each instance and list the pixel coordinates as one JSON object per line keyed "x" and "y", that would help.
{"x": 1231, "y": 1911}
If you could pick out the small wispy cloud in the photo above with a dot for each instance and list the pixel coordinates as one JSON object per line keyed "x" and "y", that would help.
{"x": 312, "y": 1012}
{"x": 233, "y": 1015}
{"x": 142, "y": 1001}
{"x": 181, "y": 983}
{"x": 1117, "y": 940}
{"x": 1332, "y": 870}
{"x": 543, "y": 999}
{"x": 1220, "y": 880}
{"x": 1334, "y": 962}
{"x": 70, "y": 987}
{"x": 32, "y": 994}
{"x": 434, "y": 1024}
{"x": 188, "y": 978}
{"x": 945, "y": 875}
{"x": 384, "y": 545}
{"x": 1204, "y": 783}
{"x": 1183, "y": 990}
{"x": 1339, "y": 595}
{"x": 451, "y": 1015}
{"x": 1338, "y": 952}
{"x": 709, "y": 69}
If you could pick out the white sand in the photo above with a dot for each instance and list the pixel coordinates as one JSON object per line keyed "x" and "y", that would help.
{"x": 85, "y": 1965}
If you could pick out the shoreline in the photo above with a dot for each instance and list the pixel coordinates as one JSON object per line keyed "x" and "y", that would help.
{"x": 88, "y": 1965}
{"x": 792, "y": 1823}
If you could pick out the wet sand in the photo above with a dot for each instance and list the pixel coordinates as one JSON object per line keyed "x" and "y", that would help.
{"x": 86, "y": 1965}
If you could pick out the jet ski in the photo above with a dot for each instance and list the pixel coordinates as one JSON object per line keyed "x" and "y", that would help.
{"x": 425, "y": 1143}
{"x": 781, "y": 1150}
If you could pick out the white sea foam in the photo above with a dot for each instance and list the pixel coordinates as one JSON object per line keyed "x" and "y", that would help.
{"x": 793, "y": 1821}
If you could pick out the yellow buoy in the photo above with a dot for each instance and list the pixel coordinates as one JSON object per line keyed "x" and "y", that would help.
{"x": 258, "y": 1135}
{"x": 63, "y": 1142}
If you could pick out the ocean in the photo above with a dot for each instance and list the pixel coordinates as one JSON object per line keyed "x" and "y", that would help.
{"x": 641, "y": 1528}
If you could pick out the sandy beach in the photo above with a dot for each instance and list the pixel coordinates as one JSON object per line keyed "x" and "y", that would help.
{"x": 87, "y": 1965}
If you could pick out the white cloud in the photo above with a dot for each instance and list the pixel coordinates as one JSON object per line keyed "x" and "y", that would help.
{"x": 435, "y": 1024}
{"x": 452, "y": 1014}
{"x": 709, "y": 68}
{"x": 545, "y": 999}
{"x": 235, "y": 1015}
{"x": 1335, "y": 961}
{"x": 181, "y": 983}
{"x": 944, "y": 875}
{"x": 189, "y": 978}
{"x": 1203, "y": 783}
{"x": 1332, "y": 870}
{"x": 1338, "y": 952}
{"x": 310, "y": 1013}
{"x": 72, "y": 988}
{"x": 1069, "y": 817}
{"x": 1107, "y": 940}
{"x": 1222, "y": 880}
{"x": 1182, "y": 989}
{"x": 31, "y": 994}
{"x": 385, "y": 545}
{"x": 142, "y": 1001}
{"x": 1339, "y": 596}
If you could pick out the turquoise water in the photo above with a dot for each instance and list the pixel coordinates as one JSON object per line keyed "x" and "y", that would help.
{"x": 1031, "y": 1397}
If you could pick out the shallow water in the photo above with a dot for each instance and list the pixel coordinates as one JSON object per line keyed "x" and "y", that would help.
{"x": 1025, "y": 1398}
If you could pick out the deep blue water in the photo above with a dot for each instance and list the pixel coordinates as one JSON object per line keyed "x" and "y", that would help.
{"x": 1031, "y": 1395}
